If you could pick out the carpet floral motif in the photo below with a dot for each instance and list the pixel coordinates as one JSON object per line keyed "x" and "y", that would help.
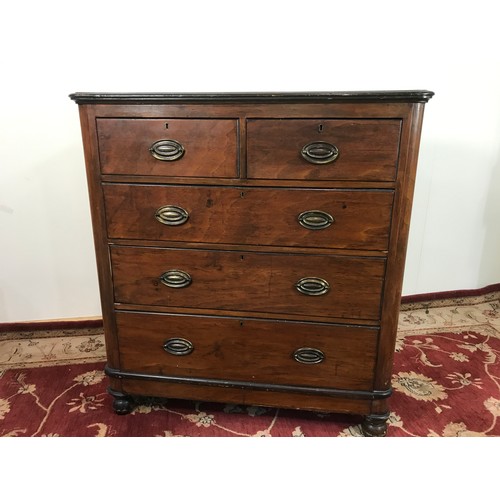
{"x": 446, "y": 383}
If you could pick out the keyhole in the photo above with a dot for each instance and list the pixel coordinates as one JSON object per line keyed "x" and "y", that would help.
{"x": 166, "y": 125}
{"x": 320, "y": 128}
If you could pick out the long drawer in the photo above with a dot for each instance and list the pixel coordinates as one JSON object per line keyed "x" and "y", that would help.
{"x": 174, "y": 147}
{"x": 322, "y": 218}
{"x": 323, "y": 149}
{"x": 312, "y": 285}
{"x": 244, "y": 349}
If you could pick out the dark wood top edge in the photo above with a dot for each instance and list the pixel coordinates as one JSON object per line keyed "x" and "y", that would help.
{"x": 252, "y": 97}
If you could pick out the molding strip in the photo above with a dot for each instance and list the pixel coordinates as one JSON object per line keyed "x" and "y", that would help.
{"x": 252, "y": 97}
{"x": 54, "y": 324}
{"x": 234, "y": 384}
{"x": 453, "y": 294}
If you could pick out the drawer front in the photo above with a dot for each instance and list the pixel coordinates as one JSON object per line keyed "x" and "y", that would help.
{"x": 304, "y": 285}
{"x": 244, "y": 349}
{"x": 250, "y": 216}
{"x": 173, "y": 147}
{"x": 357, "y": 150}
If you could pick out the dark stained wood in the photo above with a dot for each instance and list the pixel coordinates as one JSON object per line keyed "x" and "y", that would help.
{"x": 240, "y": 247}
{"x": 236, "y": 314}
{"x": 243, "y": 181}
{"x": 247, "y": 349}
{"x": 246, "y": 396}
{"x": 248, "y": 384}
{"x": 368, "y": 149}
{"x": 240, "y": 182}
{"x": 255, "y": 97}
{"x": 380, "y": 406}
{"x": 399, "y": 240}
{"x": 249, "y": 281}
{"x": 245, "y": 111}
{"x": 122, "y": 403}
{"x": 375, "y": 425}
{"x": 251, "y": 216}
{"x": 90, "y": 148}
{"x": 210, "y": 147}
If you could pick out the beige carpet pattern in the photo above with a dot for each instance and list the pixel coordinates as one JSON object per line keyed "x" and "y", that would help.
{"x": 51, "y": 347}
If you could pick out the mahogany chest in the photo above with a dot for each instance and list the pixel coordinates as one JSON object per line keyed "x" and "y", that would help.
{"x": 251, "y": 247}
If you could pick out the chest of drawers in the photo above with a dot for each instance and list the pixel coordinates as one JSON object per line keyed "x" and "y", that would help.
{"x": 251, "y": 247}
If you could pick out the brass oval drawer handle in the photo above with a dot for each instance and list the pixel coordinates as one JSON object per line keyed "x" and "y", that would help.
{"x": 312, "y": 286}
{"x": 319, "y": 153}
{"x": 178, "y": 347}
{"x": 176, "y": 279}
{"x": 167, "y": 150}
{"x": 315, "y": 219}
{"x": 172, "y": 215}
{"x": 308, "y": 355}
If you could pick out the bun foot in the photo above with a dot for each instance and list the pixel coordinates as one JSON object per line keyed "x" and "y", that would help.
{"x": 122, "y": 404}
{"x": 375, "y": 425}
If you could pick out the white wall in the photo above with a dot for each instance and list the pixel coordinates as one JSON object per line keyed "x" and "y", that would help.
{"x": 50, "y": 49}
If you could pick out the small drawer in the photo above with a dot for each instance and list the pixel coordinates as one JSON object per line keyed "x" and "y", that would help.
{"x": 240, "y": 349}
{"x": 316, "y": 149}
{"x": 171, "y": 147}
{"x": 355, "y": 219}
{"x": 289, "y": 284}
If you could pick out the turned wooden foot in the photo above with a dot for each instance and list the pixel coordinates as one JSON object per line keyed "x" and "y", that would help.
{"x": 375, "y": 425}
{"x": 122, "y": 404}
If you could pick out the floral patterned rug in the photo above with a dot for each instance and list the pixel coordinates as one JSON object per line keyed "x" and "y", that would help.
{"x": 446, "y": 383}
